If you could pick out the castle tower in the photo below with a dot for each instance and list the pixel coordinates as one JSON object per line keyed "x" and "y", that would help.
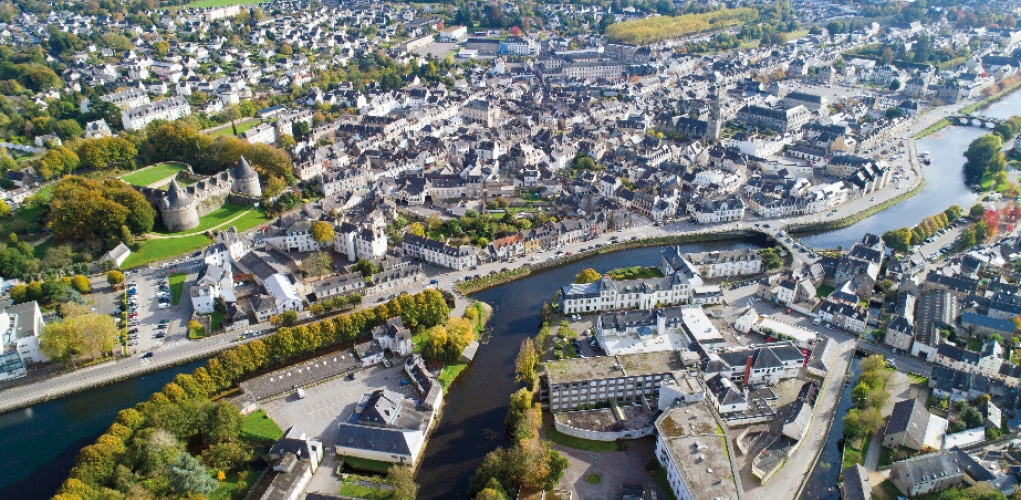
{"x": 246, "y": 179}
{"x": 179, "y": 210}
{"x": 715, "y": 120}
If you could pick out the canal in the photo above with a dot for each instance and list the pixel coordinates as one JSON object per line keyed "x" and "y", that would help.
{"x": 41, "y": 442}
{"x": 478, "y": 399}
{"x": 944, "y": 183}
{"x": 822, "y": 484}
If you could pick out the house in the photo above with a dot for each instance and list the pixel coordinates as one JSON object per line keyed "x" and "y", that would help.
{"x": 857, "y": 485}
{"x": 116, "y": 255}
{"x": 724, "y": 395}
{"x": 394, "y": 336}
{"x": 338, "y": 286}
{"x": 170, "y": 109}
{"x": 755, "y": 364}
{"x": 286, "y": 298}
{"x": 900, "y": 333}
{"x": 292, "y": 462}
{"x": 912, "y": 426}
{"x": 986, "y": 362}
{"x": 439, "y": 253}
{"x": 799, "y": 413}
{"x": 385, "y": 427}
{"x": 217, "y": 283}
{"x": 930, "y": 473}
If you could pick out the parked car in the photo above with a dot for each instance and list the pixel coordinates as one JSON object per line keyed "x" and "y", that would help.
{"x": 164, "y": 305}
{"x": 160, "y": 335}
{"x": 148, "y": 355}
{"x": 164, "y": 321}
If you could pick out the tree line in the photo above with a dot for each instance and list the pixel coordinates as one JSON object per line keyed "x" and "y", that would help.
{"x": 902, "y": 239}
{"x": 657, "y": 29}
{"x": 165, "y": 446}
{"x": 530, "y": 463}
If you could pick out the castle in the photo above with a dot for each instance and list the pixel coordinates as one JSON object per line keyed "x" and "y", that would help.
{"x": 181, "y": 208}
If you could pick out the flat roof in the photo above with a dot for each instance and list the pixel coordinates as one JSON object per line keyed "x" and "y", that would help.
{"x": 801, "y": 335}
{"x": 605, "y": 367}
{"x": 698, "y": 447}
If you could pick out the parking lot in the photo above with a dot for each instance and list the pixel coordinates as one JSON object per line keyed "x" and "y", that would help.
{"x": 146, "y": 324}
{"x": 331, "y": 402}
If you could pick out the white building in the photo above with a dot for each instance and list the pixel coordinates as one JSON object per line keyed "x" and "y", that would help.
{"x": 216, "y": 283}
{"x": 20, "y": 327}
{"x": 168, "y": 109}
{"x": 279, "y": 286}
{"x": 694, "y": 453}
{"x": 439, "y": 253}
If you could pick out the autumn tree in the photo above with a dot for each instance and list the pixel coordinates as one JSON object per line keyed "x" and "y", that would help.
{"x": 81, "y": 284}
{"x": 318, "y": 264}
{"x": 322, "y": 232}
{"x": 416, "y": 229}
{"x": 587, "y": 276}
{"x": 114, "y": 277}
{"x": 84, "y": 335}
{"x": 526, "y": 362}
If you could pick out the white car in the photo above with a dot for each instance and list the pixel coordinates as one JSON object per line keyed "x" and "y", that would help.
{"x": 164, "y": 305}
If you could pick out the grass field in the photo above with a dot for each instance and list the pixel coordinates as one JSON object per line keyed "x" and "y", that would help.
{"x": 215, "y": 319}
{"x": 156, "y": 250}
{"x": 176, "y": 287}
{"x": 259, "y": 427}
{"x": 215, "y": 218}
{"x": 152, "y": 174}
{"x": 251, "y": 219}
{"x": 449, "y": 373}
{"x": 202, "y": 4}
{"x": 580, "y": 444}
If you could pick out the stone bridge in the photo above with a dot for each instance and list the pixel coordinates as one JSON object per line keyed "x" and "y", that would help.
{"x": 976, "y": 121}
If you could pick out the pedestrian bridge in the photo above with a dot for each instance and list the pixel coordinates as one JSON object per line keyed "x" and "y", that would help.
{"x": 976, "y": 121}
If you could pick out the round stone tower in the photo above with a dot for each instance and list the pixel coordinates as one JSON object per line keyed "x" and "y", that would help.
{"x": 246, "y": 179}
{"x": 178, "y": 209}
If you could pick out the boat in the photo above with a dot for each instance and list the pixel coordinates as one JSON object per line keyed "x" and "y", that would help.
{"x": 926, "y": 157}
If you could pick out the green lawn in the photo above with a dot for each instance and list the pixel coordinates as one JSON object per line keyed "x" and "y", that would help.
{"x": 196, "y": 334}
{"x": 580, "y": 444}
{"x": 418, "y": 341}
{"x": 449, "y": 373}
{"x": 593, "y": 478}
{"x": 215, "y": 218}
{"x": 824, "y": 291}
{"x": 156, "y": 250}
{"x": 886, "y": 456}
{"x": 241, "y": 128}
{"x": 227, "y": 488}
{"x": 636, "y": 272}
{"x": 659, "y": 477}
{"x": 886, "y": 491}
{"x": 366, "y": 464}
{"x": 176, "y": 287}
{"x": 251, "y": 219}
{"x": 201, "y": 4}
{"x": 152, "y": 174}
{"x": 40, "y": 250}
{"x": 215, "y": 319}
{"x": 917, "y": 379}
{"x": 351, "y": 488}
{"x": 260, "y": 428}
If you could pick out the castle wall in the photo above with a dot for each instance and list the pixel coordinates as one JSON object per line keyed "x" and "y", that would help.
{"x": 207, "y": 193}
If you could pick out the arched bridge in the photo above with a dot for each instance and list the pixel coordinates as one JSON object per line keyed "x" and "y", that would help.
{"x": 976, "y": 121}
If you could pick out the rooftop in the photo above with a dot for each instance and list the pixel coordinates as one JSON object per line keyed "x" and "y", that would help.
{"x": 606, "y": 367}
{"x": 698, "y": 447}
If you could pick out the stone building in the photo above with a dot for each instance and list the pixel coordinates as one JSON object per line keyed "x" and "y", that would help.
{"x": 182, "y": 207}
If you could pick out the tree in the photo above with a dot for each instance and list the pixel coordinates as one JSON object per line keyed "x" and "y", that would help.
{"x": 318, "y": 264}
{"x": 587, "y": 276}
{"x": 286, "y": 49}
{"x": 985, "y": 157}
{"x": 289, "y": 317}
{"x": 86, "y": 334}
{"x": 771, "y": 259}
{"x": 286, "y": 141}
{"x": 5, "y": 210}
{"x": 402, "y": 478}
{"x": 977, "y": 211}
{"x": 114, "y": 277}
{"x": 67, "y": 129}
{"x": 81, "y": 284}
{"x": 187, "y": 475}
{"x": 161, "y": 47}
{"x": 526, "y": 362}
{"x": 953, "y": 212}
{"x": 220, "y": 422}
{"x": 417, "y": 229}
{"x": 366, "y": 267}
{"x": 322, "y": 232}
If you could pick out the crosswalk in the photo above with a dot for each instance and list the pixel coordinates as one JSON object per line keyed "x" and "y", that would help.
{"x": 170, "y": 345}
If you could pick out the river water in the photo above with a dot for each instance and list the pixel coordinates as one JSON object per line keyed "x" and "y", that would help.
{"x": 944, "y": 182}
{"x": 822, "y": 485}
{"x": 41, "y": 442}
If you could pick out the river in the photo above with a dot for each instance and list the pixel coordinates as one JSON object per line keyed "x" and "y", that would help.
{"x": 478, "y": 399}
{"x": 822, "y": 485}
{"x": 41, "y": 442}
{"x": 944, "y": 182}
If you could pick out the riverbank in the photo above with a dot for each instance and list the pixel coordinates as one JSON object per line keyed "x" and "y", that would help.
{"x": 993, "y": 99}
{"x": 501, "y": 278}
{"x": 832, "y": 225}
